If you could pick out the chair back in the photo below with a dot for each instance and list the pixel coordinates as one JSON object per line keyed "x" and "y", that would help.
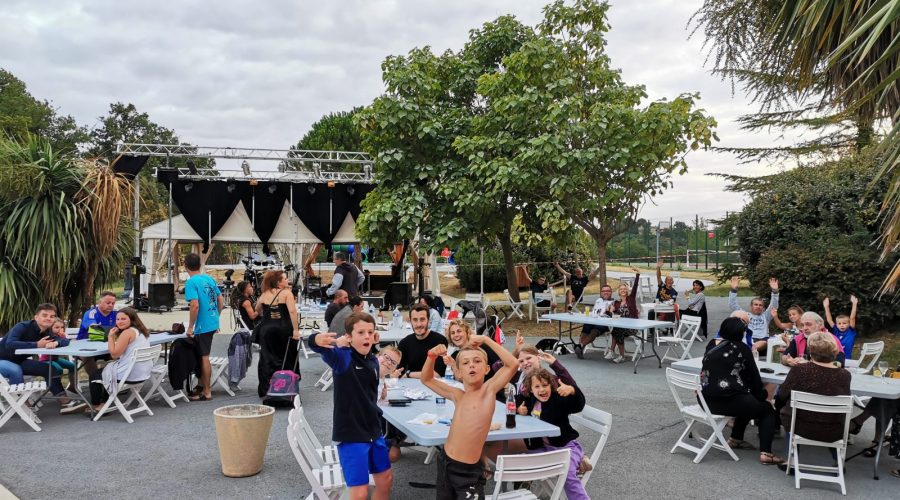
{"x": 297, "y": 448}
{"x": 239, "y": 320}
{"x": 646, "y": 287}
{"x": 873, "y": 349}
{"x": 688, "y": 327}
{"x": 509, "y": 297}
{"x": 533, "y": 467}
{"x": 474, "y": 297}
{"x": 542, "y": 296}
{"x": 142, "y": 355}
{"x": 600, "y": 422}
{"x": 821, "y": 404}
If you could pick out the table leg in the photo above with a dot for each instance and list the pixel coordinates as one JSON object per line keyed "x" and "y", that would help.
{"x": 653, "y": 346}
{"x": 78, "y": 388}
{"x": 882, "y": 419}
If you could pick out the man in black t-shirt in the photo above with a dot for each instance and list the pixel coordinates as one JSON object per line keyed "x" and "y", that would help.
{"x": 416, "y": 345}
{"x": 577, "y": 283}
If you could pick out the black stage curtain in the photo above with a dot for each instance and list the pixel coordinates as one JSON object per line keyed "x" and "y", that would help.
{"x": 166, "y": 175}
{"x": 129, "y": 166}
{"x": 198, "y": 200}
{"x": 267, "y": 208}
{"x": 359, "y": 194}
{"x": 313, "y": 208}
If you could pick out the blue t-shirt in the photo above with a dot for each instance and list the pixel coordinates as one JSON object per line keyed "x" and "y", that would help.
{"x": 93, "y": 316}
{"x": 847, "y": 338}
{"x": 203, "y": 289}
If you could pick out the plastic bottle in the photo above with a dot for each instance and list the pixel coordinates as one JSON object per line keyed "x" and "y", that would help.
{"x": 396, "y": 321}
{"x": 448, "y": 375}
{"x": 510, "y": 406}
{"x": 372, "y": 310}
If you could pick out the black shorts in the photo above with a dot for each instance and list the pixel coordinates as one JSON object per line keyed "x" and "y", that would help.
{"x": 457, "y": 480}
{"x": 203, "y": 341}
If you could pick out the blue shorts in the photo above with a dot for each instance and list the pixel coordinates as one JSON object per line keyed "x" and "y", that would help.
{"x": 358, "y": 460}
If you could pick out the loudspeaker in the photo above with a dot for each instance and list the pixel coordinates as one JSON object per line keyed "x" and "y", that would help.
{"x": 399, "y": 293}
{"x": 161, "y": 295}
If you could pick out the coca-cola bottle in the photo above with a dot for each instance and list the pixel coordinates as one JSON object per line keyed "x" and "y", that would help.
{"x": 510, "y": 406}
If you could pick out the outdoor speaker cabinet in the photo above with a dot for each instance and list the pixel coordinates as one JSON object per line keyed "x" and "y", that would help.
{"x": 161, "y": 295}
{"x": 400, "y": 293}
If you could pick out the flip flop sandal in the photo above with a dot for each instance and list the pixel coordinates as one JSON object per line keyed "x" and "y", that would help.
{"x": 201, "y": 398}
{"x": 895, "y": 472}
{"x": 739, "y": 444}
{"x": 771, "y": 459}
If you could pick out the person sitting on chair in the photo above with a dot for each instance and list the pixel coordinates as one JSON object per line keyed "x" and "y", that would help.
{"x": 341, "y": 299}
{"x": 601, "y": 309}
{"x": 696, "y": 303}
{"x": 338, "y": 323}
{"x": 539, "y": 286}
{"x": 577, "y": 283}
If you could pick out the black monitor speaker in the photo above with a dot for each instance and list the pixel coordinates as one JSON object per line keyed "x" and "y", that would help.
{"x": 161, "y": 295}
{"x": 399, "y": 293}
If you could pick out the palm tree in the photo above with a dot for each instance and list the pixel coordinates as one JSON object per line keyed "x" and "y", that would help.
{"x": 61, "y": 228}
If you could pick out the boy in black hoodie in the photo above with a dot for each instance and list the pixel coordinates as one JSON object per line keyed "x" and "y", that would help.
{"x": 357, "y": 429}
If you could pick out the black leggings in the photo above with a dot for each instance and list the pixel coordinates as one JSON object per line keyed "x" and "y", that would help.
{"x": 744, "y": 408}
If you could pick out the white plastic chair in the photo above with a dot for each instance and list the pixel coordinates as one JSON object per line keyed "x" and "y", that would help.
{"x": 142, "y": 355}
{"x": 834, "y": 405}
{"x": 682, "y": 339}
{"x": 531, "y": 467}
{"x": 516, "y": 306}
{"x": 219, "y": 366}
{"x": 158, "y": 375}
{"x": 873, "y": 349}
{"x": 598, "y": 421}
{"x": 13, "y": 399}
{"x": 323, "y": 455}
{"x": 537, "y": 310}
{"x": 697, "y": 414}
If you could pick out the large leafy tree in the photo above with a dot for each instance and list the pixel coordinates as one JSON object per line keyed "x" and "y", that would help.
{"x": 124, "y": 123}
{"x": 564, "y": 131}
{"x": 62, "y": 233}
{"x": 21, "y": 114}
{"x": 332, "y": 132}
{"x": 426, "y": 189}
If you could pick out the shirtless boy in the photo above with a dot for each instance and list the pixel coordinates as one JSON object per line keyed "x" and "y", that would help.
{"x": 459, "y": 466}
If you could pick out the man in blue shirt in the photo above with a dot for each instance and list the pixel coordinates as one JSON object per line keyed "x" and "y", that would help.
{"x": 103, "y": 314}
{"x": 205, "y": 300}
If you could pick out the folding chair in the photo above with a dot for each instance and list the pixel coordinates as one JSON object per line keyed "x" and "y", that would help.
{"x": 531, "y": 467}
{"x": 683, "y": 338}
{"x": 873, "y": 349}
{"x": 325, "y": 380}
{"x": 834, "y": 405}
{"x": 516, "y": 306}
{"x": 219, "y": 365}
{"x": 697, "y": 413}
{"x": 142, "y": 355}
{"x": 322, "y": 455}
{"x": 158, "y": 375}
{"x": 13, "y": 399}
{"x": 536, "y": 310}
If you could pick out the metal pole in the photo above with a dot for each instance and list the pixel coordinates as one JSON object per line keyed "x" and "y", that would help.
{"x": 482, "y": 273}
{"x": 171, "y": 255}
{"x": 706, "y": 250}
{"x": 697, "y": 242}
{"x": 671, "y": 238}
{"x": 657, "y": 241}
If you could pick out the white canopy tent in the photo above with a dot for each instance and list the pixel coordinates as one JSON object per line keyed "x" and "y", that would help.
{"x": 289, "y": 230}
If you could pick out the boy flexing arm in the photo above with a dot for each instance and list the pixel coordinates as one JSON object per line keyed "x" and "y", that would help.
{"x": 460, "y": 471}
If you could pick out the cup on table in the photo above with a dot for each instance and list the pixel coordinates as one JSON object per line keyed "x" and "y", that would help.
{"x": 391, "y": 382}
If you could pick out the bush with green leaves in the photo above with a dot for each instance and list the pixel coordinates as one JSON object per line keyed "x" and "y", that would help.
{"x": 813, "y": 228}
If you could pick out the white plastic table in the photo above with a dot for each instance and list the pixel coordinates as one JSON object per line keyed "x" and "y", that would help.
{"x": 87, "y": 349}
{"x": 436, "y": 434}
{"x": 647, "y": 327}
{"x": 883, "y": 392}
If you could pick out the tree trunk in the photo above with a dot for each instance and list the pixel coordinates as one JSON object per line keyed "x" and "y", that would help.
{"x": 505, "y": 238}
{"x": 601, "y": 258}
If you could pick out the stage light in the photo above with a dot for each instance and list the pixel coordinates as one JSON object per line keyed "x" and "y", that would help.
{"x": 273, "y": 188}
{"x": 317, "y": 170}
{"x": 231, "y": 187}
{"x": 368, "y": 171}
{"x": 351, "y": 190}
{"x": 311, "y": 189}
{"x": 188, "y": 187}
{"x": 192, "y": 168}
{"x": 246, "y": 168}
{"x": 254, "y": 182}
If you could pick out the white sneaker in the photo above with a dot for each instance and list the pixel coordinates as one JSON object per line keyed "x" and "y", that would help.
{"x": 609, "y": 355}
{"x": 619, "y": 359}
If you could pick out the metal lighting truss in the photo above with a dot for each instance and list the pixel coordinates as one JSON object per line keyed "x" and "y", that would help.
{"x": 309, "y": 163}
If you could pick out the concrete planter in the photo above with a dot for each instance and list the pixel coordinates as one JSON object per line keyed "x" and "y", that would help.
{"x": 243, "y": 433}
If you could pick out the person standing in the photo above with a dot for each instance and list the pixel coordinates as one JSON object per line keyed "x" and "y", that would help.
{"x": 577, "y": 283}
{"x": 347, "y": 277}
{"x": 205, "y": 300}
{"x": 279, "y": 330}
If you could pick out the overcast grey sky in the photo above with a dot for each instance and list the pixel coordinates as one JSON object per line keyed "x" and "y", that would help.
{"x": 243, "y": 73}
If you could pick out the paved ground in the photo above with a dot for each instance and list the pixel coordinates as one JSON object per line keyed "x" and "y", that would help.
{"x": 173, "y": 453}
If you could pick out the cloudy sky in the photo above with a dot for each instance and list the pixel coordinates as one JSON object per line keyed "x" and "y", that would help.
{"x": 258, "y": 74}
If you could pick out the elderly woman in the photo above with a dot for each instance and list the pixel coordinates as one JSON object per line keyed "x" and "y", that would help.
{"x": 820, "y": 375}
{"x": 796, "y": 353}
{"x": 732, "y": 387}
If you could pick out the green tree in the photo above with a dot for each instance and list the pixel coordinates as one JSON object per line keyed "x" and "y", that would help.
{"x": 566, "y": 133}
{"x": 61, "y": 233}
{"x": 123, "y": 123}
{"x": 812, "y": 227}
{"x": 333, "y": 132}
{"x": 21, "y": 114}
{"x": 426, "y": 189}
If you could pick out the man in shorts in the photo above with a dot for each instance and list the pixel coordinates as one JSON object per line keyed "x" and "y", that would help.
{"x": 460, "y": 473}
{"x": 205, "y": 300}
